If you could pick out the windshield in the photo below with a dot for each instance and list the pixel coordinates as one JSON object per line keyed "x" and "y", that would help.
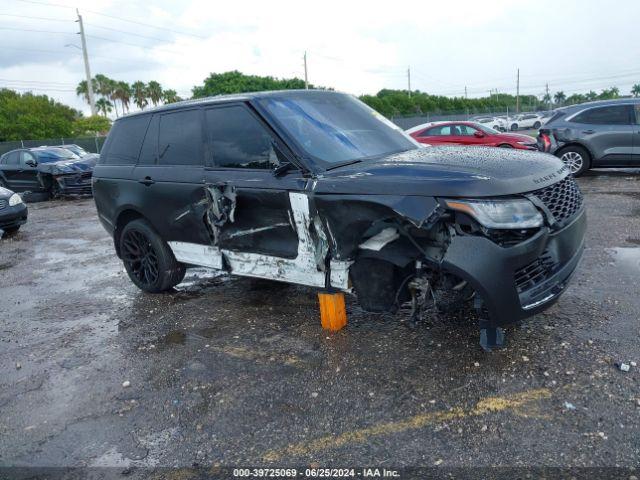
{"x": 54, "y": 155}
{"x": 336, "y": 128}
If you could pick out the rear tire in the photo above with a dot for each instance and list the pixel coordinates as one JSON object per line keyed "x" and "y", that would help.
{"x": 537, "y": 125}
{"x": 514, "y": 127}
{"x": 576, "y": 158}
{"x": 149, "y": 261}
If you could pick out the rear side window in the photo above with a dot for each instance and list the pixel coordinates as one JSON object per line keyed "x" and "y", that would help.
{"x": 12, "y": 158}
{"x": 124, "y": 142}
{"x": 238, "y": 139}
{"x": 555, "y": 117}
{"x": 149, "y": 152}
{"x": 611, "y": 115}
{"x": 437, "y": 131}
{"x": 180, "y": 138}
{"x": 637, "y": 112}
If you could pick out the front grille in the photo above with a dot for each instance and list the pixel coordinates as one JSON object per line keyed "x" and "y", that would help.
{"x": 535, "y": 273}
{"x": 563, "y": 199}
{"x": 3, "y": 204}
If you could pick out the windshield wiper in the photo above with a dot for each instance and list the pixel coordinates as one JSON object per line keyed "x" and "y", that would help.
{"x": 344, "y": 164}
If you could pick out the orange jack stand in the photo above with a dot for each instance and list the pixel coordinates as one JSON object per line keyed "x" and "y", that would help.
{"x": 333, "y": 313}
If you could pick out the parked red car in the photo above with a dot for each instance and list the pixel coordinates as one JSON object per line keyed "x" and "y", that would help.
{"x": 469, "y": 133}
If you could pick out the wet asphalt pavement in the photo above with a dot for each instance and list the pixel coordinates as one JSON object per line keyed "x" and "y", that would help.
{"x": 233, "y": 371}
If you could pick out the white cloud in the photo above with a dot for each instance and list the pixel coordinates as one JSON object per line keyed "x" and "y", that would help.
{"x": 358, "y": 47}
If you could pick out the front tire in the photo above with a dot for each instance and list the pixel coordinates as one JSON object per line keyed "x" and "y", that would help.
{"x": 576, "y": 158}
{"x": 514, "y": 127}
{"x": 149, "y": 261}
{"x": 537, "y": 125}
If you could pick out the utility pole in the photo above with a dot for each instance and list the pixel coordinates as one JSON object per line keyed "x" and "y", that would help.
{"x": 87, "y": 70}
{"x": 518, "y": 93}
{"x": 409, "y": 80}
{"x": 306, "y": 80}
{"x": 548, "y": 98}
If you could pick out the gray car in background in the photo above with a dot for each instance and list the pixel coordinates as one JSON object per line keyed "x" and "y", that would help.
{"x": 596, "y": 134}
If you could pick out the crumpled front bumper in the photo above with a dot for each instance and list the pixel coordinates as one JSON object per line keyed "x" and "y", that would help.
{"x": 74, "y": 183}
{"x": 519, "y": 281}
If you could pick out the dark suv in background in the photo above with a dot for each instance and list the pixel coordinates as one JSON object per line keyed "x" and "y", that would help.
{"x": 596, "y": 134}
{"x": 316, "y": 188}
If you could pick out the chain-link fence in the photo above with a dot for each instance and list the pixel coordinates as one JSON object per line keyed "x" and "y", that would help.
{"x": 90, "y": 144}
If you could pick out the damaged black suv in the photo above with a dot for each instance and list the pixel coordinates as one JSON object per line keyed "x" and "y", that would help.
{"x": 316, "y": 188}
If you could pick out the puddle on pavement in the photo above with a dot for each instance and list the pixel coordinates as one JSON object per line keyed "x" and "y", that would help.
{"x": 626, "y": 260}
{"x": 176, "y": 337}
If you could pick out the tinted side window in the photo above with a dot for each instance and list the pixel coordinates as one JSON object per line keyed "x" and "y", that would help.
{"x": 26, "y": 157}
{"x": 466, "y": 130}
{"x": 180, "y": 138}
{"x": 612, "y": 115}
{"x": 637, "y": 112}
{"x": 149, "y": 152}
{"x": 438, "y": 131}
{"x": 125, "y": 140}
{"x": 238, "y": 139}
{"x": 12, "y": 158}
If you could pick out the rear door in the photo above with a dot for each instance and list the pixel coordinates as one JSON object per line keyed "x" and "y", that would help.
{"x": 608, "y": 133}
{"x": 11, "y": 170}
{"x": 438, "y": 135}
{"x": 251, "y": 206}
{"x": 169, "y": 176}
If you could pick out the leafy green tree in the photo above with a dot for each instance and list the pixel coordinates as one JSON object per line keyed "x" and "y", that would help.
{"x": 103, "y": 105}
{"x": 139, "y": 93}
{"x": 635, "y": 90}
{"x": 170, "y": 96}
{"x": 236, "y": 82}
{"x": 95, "y": 125}
{"x": 591, "y": 96}
{"x": 154, "y": 92}
{"x": 27, "y": 116}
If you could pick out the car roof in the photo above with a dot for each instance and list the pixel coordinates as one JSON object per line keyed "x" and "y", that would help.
{"x": 236, "y": 97}
{"x": 599, "y": 103}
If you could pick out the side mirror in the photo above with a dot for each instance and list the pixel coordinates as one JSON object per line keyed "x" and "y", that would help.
{"x": 478, "y": 134}
{"x": 31, "y": 163}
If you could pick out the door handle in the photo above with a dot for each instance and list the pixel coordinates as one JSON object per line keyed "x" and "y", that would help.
{"x": 146, "y": 181}
{"x": 588, "y": 132}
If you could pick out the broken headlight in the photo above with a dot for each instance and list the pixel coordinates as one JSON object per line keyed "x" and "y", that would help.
{"x": 500, "y": 214}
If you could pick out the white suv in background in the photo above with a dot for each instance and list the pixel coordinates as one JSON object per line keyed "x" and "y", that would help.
{"x": 494, "y": 122}
{"x": 525, "y": 120}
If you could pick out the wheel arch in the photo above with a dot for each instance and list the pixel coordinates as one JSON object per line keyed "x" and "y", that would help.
{"x": 559, "y": 151}
{"x": 126, "y": 215}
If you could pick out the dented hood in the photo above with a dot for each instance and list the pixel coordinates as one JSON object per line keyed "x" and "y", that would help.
{"x": 446, "y": 171}
{"x": 76, "y": 165}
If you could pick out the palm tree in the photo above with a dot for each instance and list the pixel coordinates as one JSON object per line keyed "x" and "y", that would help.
{"x": 139, "y": 93}
{"x": 123, "y": 93}
{"x": 170, "y": 96}
{"x": 83, "y": 91}
{"x": 103, "y": 105}
{"x": 154, "y": 92}
{"x": 635, "y": 90}
{"x": 591, "y": 95}
{"x": 559, "y": 97}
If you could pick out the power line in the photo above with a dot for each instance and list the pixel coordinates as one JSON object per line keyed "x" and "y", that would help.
{"x": 35, "y": 18}
{"x": 38, "y": 31}
{"x": 37, "y": 82}
{"x": 179, "y": 32}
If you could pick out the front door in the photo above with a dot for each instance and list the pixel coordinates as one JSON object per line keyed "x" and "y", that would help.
{"x": 11, "y": 171}
{"x": 258, "y": 219}
{"x": 28, "y": 173}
